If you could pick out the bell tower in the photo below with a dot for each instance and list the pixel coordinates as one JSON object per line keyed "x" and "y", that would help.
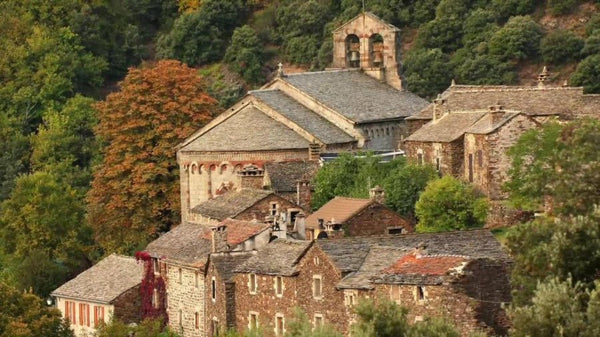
{"x": 370, "y": 44}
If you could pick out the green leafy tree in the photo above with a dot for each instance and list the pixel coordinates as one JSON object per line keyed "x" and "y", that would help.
{"x": 519, "y": 39}
{"x": 480, "y": 69}
{"x": 560, "y": 46}
{"x": 382, "y": 319}
{"x": 435, "y": 327}
{"x": 449, "y": 204}
{"x": 300, "y": 326}
{"x": 558, "y": 308}
{"x": 350, "y": 176}
{"x": 42, "y": 224}
{"x": 135, "y": 191}
{"x": 147, "y": 328}
{"x": 479, "y": 26}
{"x": 592, "y": 45}
{"x": 558, "y": 163}
{"x": 427, "y": 71}
{"x": 65, "y": 144}
{"x": 587, "y": 74}
{"x": 202, "y": 36}
{"x": 23, "y": 314}
{"x": 558, "y": 7}
{"x": 14, "y": 153}
{"x": 508, "y": 8}
{"x": 562, "y": 248}
{"x": 245, "y": 54}
{"x": 404, "y": 185}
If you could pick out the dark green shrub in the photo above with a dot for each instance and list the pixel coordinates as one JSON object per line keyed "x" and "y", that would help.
{"x": 558, "y": 7}
{"x": 483, "y": 69}
{"x": 519, "y": 39}
{"x": 427, "y": 71}
{"x": 508, "y": 8}
{"x": 588, "y": 74}
{"x": 301, "y": 49}
{"x": 592, "y": 45}
{"x": 245, "y": 54}
{"x": 560, "y": 46}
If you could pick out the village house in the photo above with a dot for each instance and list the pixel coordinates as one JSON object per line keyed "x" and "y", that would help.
{"x": 180, "y": 257}
{"x": 359, "y": 106}
{"x": 461, "y": 136}
{"x": 246, "y": 204}
{"x": 109, "y": 289}
{"x": 292, "y": 180}
{"x": 461, "y": 276}
{"x": 284, "y": 276}
{"x": 343, "y": 216}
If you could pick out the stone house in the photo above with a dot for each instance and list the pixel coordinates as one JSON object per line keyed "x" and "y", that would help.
{"x": 292, "y": 180}
{"x": 180, "y": 257}
{"x": 246, "y": 204}
{"x": 344, "y": 216}
{"x": 462, "y": 276}
{"x": 358, "y": 107}
{"x": 285, "y": 275}
{"x": 110, "y": 288}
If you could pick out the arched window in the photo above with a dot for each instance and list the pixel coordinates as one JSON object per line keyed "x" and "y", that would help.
{"x": 194, "y": 169}
{"x": 376, "y": 50}
{"x": 352, "y": 51}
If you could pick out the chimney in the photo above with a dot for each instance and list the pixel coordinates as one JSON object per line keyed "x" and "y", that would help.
{"x": 280, "y": 72}
{"x": 303, "y": 194}
{"x": 219, "y": 239}
{"x": 300, "y": 226}
{"x": 378, "y": 194}
{"x": 251, "y": 176}
{"x": 438, "y": 108}
{"x": 542, "y": 77}
{"x": 321, "y": 223}
{"x": 420, "y": 250}
{"x": 497, "y": 112}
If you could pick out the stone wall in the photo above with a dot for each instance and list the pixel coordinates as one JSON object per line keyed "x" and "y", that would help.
{"x": 263, "y": 208}
{"x": 450, "y": 155}
{"x": 384, "y": 135}
{"x": 297, "y": 293}
{"x": 216, "y": 309}
{"x": 185, "y": 299}
{"x": 376, "y": 219}
{"x": 128, "y": 306}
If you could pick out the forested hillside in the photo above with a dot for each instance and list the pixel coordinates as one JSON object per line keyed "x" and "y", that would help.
{"x": 59, "y": 59}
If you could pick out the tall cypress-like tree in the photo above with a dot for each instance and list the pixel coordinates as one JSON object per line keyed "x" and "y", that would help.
{"x": 135, "y": 192}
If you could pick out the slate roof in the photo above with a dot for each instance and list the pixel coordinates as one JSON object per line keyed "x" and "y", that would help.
{"x": 285, "y": 175}
{"x": 279, "y": 257}
{"x": 226, "y": 263}
{"x": 310, "y": 121}
{"x": 487, "y": 125}
{"x": 448, "y": 128}
{"x": 357, "y": 96}
{"x": 105, "y": 281}
{"x": 183, "y": 244}
{"x": 349, "y": 253}
{"x": 230, "y": 204}
{"x": 238, "y": 134}
{"x": 239, "y": 231}
{"x": 338, "y": 210}
{"x": 531, "y": 100}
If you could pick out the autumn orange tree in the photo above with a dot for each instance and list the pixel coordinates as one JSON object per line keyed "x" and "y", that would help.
{"x": 135, "y": 192}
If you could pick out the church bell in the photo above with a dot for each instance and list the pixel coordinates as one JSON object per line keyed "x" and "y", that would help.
{"x": 354, "y": 57}
{"x": 378, "y": 58}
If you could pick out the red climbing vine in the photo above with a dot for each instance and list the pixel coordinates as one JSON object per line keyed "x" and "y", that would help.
{"x": 152, "y": 290}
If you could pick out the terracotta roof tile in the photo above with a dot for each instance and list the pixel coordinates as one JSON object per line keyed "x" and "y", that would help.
{"x": 338, "y": 210}
{"x": 424, "y": 265}
{"x": 239, "y": 231}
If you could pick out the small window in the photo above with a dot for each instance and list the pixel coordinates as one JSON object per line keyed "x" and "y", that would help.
{"x": 480, "y": 158}
{"x": 317, "y": 287}
{"x": 420, "y": 293}
{"x": 70, "y": 311}
{"x": 155, "y": 299}
{"x": 316, "y": 261}
{"x": 279, "y": 325}
{"x": 253, "y": 320}
{"x": 156, "y": 266}
{"x": 84, "y": 314}
{"x": 420, "y": 158}
{"x": 179, "y": 275}
{"x": 395, "y": 293}
{"x": 437, "y": 164}
{"x": 395, "y": 230}
{"x": 196, "y": 279}
{"x": 279, "y": 286}
{"x": 252, "y": 283}
{"x": 213, "y": 289}
{"x": 180, "y": 317}
{"x": 197, "y": 320}
{"x": 274, "y": 208}
{"x": 318, "y": 321}
{"x": 470, "y": 167}
{"x": 215, "y": 327}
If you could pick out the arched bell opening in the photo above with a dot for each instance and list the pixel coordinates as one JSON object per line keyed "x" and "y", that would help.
{"x": 376, "y": 50}
{"x": 352, "y": 51}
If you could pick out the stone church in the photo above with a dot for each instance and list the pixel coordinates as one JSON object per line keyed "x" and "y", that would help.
{"x": 358, "y": 105}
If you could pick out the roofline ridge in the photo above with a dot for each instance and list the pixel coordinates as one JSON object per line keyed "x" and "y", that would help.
{"x": 305, "y": 73}
{"x": 262, "y": 90}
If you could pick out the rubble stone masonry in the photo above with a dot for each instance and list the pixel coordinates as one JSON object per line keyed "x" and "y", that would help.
{"x": 185, "y": 300}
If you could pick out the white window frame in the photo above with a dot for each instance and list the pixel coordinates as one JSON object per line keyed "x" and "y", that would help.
{"x": 278, "y": 292}
{"x": 255, "y": 314}
{"x": 279, "y": 315}
{"x": 320, "y": 278}
{"x": 252, "y": 287}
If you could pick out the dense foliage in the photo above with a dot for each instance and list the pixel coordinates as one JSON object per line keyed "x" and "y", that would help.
{"x": 135, "y": 192}
{"x": 146, "y": 328}
{"x": 449, "y": 204}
